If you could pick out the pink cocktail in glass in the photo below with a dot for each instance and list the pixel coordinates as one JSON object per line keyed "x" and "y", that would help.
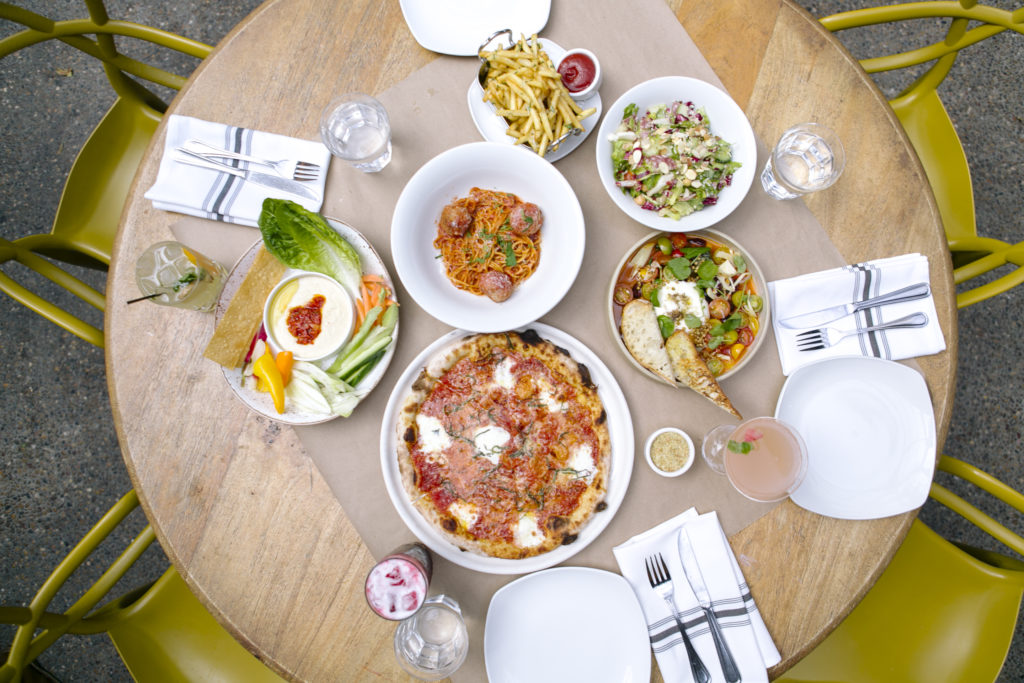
{"x": 397, "y": 585}
{"x": 764, "y": 458}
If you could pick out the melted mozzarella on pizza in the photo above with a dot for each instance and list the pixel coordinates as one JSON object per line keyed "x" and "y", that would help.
{"x": 526, "y": 532}
{"x": 466, "y": 513}
{"x": 490, "y": 442}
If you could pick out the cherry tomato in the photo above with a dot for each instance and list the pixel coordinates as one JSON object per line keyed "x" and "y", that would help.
{"x": 715, "y": 366}
{"x": 746, "y": 337}
{"x": 719, "y": 309}
{"x": 736, "y": 350}
{"x": 623, "y": 295}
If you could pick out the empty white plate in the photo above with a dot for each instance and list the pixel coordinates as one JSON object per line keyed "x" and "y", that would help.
{"x": 869, "y": 427}
{"x": 566, "y": 624}
{"x": 458, "y": 27}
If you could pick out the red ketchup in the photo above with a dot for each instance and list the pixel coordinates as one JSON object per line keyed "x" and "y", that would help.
{"x": 577, "y": 71}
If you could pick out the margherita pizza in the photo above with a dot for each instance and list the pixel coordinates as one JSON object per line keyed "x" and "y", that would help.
{"x": 503, "y": 445}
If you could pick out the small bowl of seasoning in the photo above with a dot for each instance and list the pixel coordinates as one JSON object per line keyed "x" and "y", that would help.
{"x": 580, "y": 72}
{"x": 669, "y": 451}
{"x": 310, "y": 315}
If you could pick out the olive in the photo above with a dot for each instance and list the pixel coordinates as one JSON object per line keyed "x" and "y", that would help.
{"x": 697, "y": 242}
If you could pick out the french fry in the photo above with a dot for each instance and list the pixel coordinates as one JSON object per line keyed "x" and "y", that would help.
{"x": 526, "y": 90}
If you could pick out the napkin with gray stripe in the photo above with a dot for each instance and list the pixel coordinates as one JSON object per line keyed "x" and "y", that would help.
{"x": 815, "y": 291}
{"x": 744, "y": 629}
{"x": 219, "y": 196}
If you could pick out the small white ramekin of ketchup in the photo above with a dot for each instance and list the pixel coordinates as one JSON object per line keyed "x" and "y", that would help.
{"x": 580, "y": 72}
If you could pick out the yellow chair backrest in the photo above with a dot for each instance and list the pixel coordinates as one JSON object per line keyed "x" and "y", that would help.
{"x": 931, "y": 131}
{"x": 940, "y": 611}
{"x": 161, "y": 630}
{"x": 96, "y": 189}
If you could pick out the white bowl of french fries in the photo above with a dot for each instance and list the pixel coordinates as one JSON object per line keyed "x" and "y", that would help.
{"x": 523, "y": 101}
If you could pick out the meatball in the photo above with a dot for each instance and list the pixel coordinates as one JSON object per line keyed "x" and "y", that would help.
{"x": 455, "y": 220}
{"x": 496, "y": 285}
{"x": 526, "y": 219}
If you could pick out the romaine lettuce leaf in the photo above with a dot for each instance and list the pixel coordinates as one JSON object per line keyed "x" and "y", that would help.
{"x": 302, "y": 239}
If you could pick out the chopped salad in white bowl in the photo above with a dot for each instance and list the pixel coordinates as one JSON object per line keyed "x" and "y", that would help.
{"x": 676, "y": 154}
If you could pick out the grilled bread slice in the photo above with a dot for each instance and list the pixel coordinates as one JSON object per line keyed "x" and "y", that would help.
{"x": 691, "y": 370}
{"x": 643, "y": 338}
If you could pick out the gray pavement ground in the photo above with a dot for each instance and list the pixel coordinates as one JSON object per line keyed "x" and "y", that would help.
{"x": 60, "y": 464}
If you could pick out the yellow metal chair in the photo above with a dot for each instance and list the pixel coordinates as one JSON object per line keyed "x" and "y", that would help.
{"x": 940, "y": 611}
{"x": 97, "y": 186}
{"x": 932, "y": 133}
{"x": 162, "y": 631}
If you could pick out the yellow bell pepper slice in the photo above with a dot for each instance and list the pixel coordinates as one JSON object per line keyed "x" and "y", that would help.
{"x": 265, "y": 369}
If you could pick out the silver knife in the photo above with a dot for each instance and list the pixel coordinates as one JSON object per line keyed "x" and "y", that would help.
{"x": 827, "y": 315}
{"x": 700, "y": 590}
{"x": 267, "y": 180}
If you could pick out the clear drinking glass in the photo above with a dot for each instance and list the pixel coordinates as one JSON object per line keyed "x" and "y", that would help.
{"x": 356, "y": 128}
{"x": 807, "y": 158}
{"x": 171, "y": 274}
{"x": 434, "y": 642}
{"x": 764, "y": 458}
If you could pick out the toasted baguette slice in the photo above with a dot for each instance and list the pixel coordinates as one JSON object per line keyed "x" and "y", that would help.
{"x": 691, "y": 370}
{"x": 643, "y": 338}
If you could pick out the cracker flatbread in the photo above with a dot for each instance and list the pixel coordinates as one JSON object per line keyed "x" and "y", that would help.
{"x": 242, "y": 319}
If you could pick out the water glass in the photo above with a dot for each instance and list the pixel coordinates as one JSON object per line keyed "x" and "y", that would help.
{"x": 171, "y": 274}
{"x": 807, "y": 158}
{"x": 434, "y": 642}
{"x": 356, "y": 128}
{"x": 764, "y": 458}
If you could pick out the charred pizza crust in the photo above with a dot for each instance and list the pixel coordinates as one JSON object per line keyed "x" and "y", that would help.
{"x": 503, "y": 445}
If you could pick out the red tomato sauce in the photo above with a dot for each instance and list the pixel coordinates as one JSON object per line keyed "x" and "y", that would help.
{"x": 577, "y": 71}
{"x": 305, "y": 322}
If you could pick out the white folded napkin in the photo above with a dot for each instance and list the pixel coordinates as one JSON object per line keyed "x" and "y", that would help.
{"x": 814, "y": 291}
{"x": 221, "y": 196}
{"x": 744, "y": 629}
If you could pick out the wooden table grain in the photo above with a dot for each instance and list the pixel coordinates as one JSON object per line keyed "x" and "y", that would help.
{"x": 211, "y": 477}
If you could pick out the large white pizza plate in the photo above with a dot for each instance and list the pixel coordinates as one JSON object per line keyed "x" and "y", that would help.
{"x": 457, "y": 27}
{"x": 489, "y": 166}
{"x": 262, "y": 402}
{"x": 620, "y": 430}
{"x": 591, "y": 614}
{"x": 493, "y": 127}
{"x": 869, "y": 427}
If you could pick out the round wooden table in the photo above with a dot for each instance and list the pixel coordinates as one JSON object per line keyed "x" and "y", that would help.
{"x": 233, "y": 498}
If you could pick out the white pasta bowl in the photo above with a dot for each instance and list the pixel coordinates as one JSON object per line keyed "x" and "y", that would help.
{"x": 727, "y": 121}
{"x": 489, "y": 166}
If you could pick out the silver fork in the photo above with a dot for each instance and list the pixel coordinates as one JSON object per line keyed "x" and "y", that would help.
{"x": 822, "y": 338}
{"x": 661, "y": 582}
{"x": 304, "y": 170}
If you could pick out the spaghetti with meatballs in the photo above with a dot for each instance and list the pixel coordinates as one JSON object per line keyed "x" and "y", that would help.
{"x": 489, "y": 242}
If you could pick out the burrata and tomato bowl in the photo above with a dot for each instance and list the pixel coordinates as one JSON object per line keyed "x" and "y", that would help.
{"x": 703, "y": 283}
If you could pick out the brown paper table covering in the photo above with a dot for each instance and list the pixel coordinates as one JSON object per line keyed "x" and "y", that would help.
{"x": 635, "y": 42}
